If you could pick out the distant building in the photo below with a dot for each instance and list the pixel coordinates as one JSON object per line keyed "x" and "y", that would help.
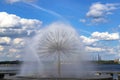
{"x": 99, "y": 58}
{"x": 117, "y": 60}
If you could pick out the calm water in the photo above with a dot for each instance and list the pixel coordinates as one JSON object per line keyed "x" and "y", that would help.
{"x": 103, "y": 67}
{"x": 100, "y": 67}
{"x": 108, "y": 67}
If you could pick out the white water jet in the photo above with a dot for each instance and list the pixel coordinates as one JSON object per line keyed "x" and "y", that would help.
{"x": 57, "y": 52}
{"x": 32, "y": 64}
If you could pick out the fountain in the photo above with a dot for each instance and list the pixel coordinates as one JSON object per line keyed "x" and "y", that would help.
{"x": 55, "y": 52}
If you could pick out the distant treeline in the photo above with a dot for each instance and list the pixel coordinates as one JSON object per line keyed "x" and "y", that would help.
{"x": 94, "y": 62}
{"x": 11, "y": 62}
{"x": 105, "y": 62}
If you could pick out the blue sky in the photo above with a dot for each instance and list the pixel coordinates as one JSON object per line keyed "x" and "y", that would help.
{"x": 97, "y": 22}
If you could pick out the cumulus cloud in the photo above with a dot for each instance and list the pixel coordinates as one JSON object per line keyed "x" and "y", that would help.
{"x": 11, "y": 25}
{"x": 13, "y": 21}
{"x": 87, "y": 40}
{"x": 9, "y": 53}
{"x": 105, "y": 36}
{"x": 98, "y": 36}
{"x": 12, "y": 55}
{"x": 19, "y": 42}
{"x": 5, "y": 40}
{"x": 102, "y": 49}
{"x": 14, "y": 31}
{"x": 12, "y": 50}
{"x": 102, "y": 42}
{"x": 94, "y": 49}
{"x": 1, "y": 48}
{"x": 98, "y": 12}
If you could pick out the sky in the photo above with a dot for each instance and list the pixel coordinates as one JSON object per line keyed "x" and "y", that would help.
{"x": 96, "y": 21}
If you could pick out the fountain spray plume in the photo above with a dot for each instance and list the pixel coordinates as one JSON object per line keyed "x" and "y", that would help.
{"x": 58, "y": 52}
{"x": 31, "y": 61}
{"x": 62, "y": 42}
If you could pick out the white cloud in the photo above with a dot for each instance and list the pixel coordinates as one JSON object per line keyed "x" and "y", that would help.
{"x": 12, "y": 50}
{"x": 29, "y": 23}
{"x": 102, "y": 49}
{"x": 9, "y": 53}
{"x": 11, "y": 25}
{"x": 14, "y": 31}
{"x": 19, "y": 42}
{"x": 105, "y": 36}
{"x": 13, "y": 21}
{"x": 111, "y": 51}
{"x": 18, "y": 56}
{"x": 5, "y": 40}
{"x": 98, "y": 11}
{"x": 87, "y": 40}
{"x": 94, "y": 49}
{"x": 8, "y": 20}
{"x": 82, "y": 20}
{"x": 101, "y": 42}
{"x": 98, "y": 20}
{"x": 1, "y": 48}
